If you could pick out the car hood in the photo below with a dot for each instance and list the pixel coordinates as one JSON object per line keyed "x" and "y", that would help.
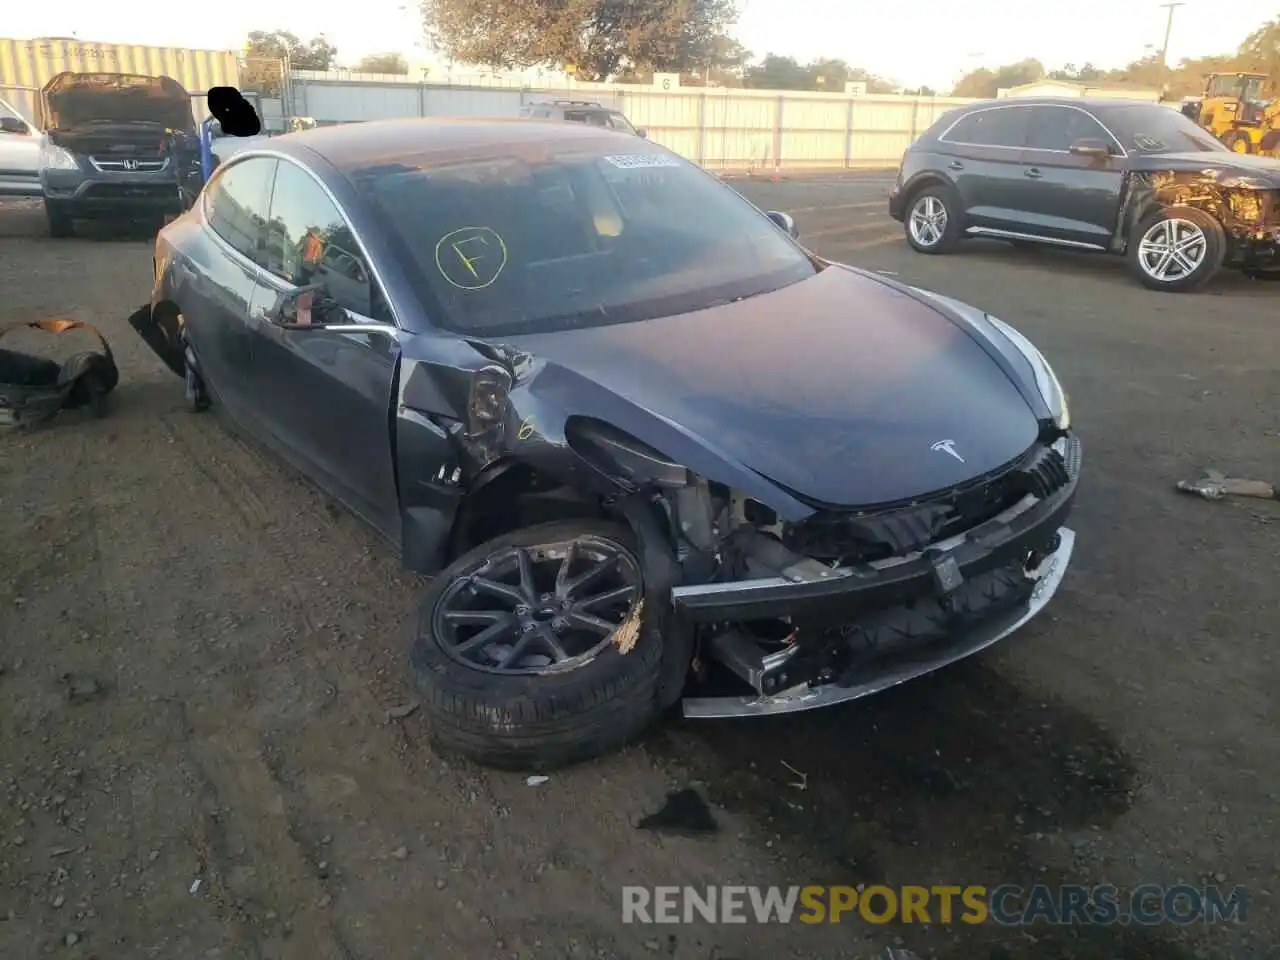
{"x": 71, "y": 100}
{"x": 841, "y": 389}
{"x": 1216, "y": 165}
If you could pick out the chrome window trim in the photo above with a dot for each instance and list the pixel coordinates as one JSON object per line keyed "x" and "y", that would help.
{"x": 263, "y": 272}
{"x": 942, "y": 137}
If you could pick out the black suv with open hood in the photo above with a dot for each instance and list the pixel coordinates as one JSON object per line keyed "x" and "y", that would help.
{"x": 116, "y": 145}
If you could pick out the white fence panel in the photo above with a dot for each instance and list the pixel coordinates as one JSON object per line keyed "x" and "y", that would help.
{"x": 717, "y": 127}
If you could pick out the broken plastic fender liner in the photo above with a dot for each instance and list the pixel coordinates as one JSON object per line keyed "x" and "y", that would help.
{"x": 625, "y": 637}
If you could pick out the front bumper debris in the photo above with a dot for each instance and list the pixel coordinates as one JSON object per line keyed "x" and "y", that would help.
{"x": 1048, "y": 577}
{"x": 898, "y": 618}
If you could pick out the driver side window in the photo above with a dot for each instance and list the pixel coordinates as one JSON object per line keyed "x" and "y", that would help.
{"x": 309, "y": 242}
{"x": 1223, "y": 87}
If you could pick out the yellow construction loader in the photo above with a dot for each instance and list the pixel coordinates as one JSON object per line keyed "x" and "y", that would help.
{"x": 1236, "y": 110}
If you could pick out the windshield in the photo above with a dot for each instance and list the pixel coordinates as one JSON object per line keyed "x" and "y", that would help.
{"x": 1155, "y": 129}
{"x": 507, "y": 245}
{"x": 1252, "y": 88}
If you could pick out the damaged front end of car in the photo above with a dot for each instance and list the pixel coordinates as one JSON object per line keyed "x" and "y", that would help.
{"x": 844, "y": 604}
{"x": 766, "y": 603}
{"x": 1247, "y": 205}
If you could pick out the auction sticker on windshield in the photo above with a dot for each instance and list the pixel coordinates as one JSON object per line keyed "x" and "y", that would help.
{"x": 642, "y": 161}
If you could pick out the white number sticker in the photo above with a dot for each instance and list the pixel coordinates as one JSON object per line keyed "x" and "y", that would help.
{"x": 642, "y": 161}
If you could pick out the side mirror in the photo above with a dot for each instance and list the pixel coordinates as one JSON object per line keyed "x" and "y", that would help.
{"x": 642, "y": 133}
{"x": 15, "y": 125}
{"x": 786, "y": 222}
{"x": 305, "y": 308}
{"x": 1089, "y": 147}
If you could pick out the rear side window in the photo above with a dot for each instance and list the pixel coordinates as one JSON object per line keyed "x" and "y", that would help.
{"x": 618, "y": 122}
{"x": 236, "y": 205}
{"x": 1057, "y": 128}
{"x": 593, "y": 117}
{"x": 997, "y": 127}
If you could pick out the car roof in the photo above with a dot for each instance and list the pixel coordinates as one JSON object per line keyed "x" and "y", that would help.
{"x": 434, "y": 141}
{"x": 571, "y": 104}
{"x": 1092, "y": 103}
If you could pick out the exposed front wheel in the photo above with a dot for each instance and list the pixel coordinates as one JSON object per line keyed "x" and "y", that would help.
{"x": 932, "y": 223}
{"x": 59, "y": 219}
{"x": 534, "y": 651}
{"x": 1177, "y": 249}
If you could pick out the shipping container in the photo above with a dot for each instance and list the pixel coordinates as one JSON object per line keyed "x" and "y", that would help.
{"x": 27, "y": 65}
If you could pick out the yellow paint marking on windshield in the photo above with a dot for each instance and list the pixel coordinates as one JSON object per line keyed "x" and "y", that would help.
{"x": 527, "y": 426}
{"x": 471, "y": 258}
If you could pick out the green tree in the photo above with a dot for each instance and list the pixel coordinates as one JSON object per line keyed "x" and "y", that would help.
{"x": 599, "y": 38}
{"x": 1086, "y": 74}
{"x": 1261, "y": 50}
{"x": 267, "y": 50}
{"x": 826, "y": 74}
{"x": 775, "y": 72}
{"x": 984, "y": 82}
{"x": 383, "y": 63}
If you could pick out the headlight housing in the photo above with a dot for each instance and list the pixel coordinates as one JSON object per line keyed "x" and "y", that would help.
{"x": 1055, "y": 397}
{"x": 53, "y": 157}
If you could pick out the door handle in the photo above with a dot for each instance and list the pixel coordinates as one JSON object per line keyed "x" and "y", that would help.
{"x": 956, "y": 165}
{"x": 1034, "y": 173}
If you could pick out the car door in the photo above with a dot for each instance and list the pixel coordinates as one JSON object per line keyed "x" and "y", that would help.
{"x": 219, "y": 290}
{"x": 325, "y": 392}
{"x": 982, "y": 153}
{"x": 1069, "y": 197}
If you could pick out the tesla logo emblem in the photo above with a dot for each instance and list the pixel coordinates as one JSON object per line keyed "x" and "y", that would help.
{"x": 948, "y": 447}
{"x": 130, "y": 164}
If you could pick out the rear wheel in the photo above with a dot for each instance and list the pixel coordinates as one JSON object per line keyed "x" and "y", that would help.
{"x": 932, "y": 223}
{"x": 58, "y": 216}
{"x": 1177, "y": 249}
{"x": 533, "y": 651}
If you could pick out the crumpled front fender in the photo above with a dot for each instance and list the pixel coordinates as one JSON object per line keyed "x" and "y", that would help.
{"x": 161, "y": 332}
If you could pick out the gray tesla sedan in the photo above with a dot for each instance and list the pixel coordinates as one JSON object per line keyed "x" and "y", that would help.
{"x": 647, "y": 445}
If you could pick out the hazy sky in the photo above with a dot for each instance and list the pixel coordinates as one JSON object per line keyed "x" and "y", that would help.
{"x": 915, "y": 42}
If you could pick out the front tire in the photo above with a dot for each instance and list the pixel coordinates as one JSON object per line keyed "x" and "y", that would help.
{"x": 58, "y": 217}
{"x": 535, "y": 711}
{"x": 1177, "y": 249}
{"x": 932, "y": 223}
{"x": 195, "y": 396}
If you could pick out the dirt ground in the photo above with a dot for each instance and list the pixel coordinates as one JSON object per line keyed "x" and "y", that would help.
{"x": 203, "y": 755}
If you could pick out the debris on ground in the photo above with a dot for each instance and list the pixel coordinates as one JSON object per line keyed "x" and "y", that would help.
{"x": 802, "y": 783}
{"x": 685, "y": 812}
{"x": 80, "y": 687}
{"x": 1215, "y": 485}
{"x": 536, "y": 780}
{"x": 403, "y": 710}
